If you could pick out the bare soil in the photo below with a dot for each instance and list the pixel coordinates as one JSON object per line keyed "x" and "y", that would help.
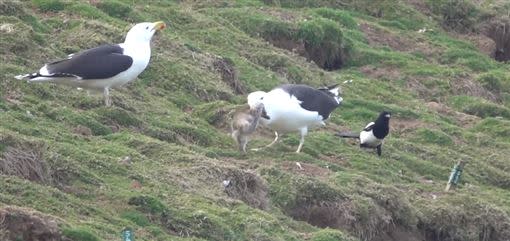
{"x": 28, "y": 225}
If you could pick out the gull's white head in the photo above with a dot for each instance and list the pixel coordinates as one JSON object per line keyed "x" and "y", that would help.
{"x": 255, "y": 98}
{"x": 143, "y": 32}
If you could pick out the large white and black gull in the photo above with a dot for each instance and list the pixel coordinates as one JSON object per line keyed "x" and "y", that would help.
{"x": 104, "y": 67}
{"x": 373, "y": 134}
{"x": 293, "y": 107}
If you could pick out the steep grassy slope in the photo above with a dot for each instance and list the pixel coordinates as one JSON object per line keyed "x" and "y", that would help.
{"x": 155, "y": 161}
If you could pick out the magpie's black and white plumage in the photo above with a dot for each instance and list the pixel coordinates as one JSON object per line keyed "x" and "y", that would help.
{"x": 292, "y": 107}
{"x": 104, "y": 67}
{"x": 373, "y": 134}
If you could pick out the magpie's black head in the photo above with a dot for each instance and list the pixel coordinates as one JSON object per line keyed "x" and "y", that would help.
{"x": 382, "y": 125}
{"x": 385, "y": 115}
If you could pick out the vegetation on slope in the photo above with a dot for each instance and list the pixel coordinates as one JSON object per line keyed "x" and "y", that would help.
{"x": 157, "y": 159}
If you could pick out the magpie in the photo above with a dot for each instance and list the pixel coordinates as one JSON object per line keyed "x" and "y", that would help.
{"x": 373, "y": 134}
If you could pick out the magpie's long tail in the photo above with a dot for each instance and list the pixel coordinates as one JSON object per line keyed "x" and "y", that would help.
{"x": 348, "y": 134}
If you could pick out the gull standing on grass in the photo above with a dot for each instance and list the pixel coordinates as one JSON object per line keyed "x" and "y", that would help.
{"x": 104, "y": 67}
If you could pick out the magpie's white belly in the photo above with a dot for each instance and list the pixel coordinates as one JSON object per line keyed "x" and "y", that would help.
{"x": 368, "y": 138}
{"x": 286, "y": 114}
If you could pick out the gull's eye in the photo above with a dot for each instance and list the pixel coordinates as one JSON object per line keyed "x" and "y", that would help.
{"x": 147, "y": 27}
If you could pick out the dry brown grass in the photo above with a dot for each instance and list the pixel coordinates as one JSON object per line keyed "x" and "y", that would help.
{"x": 229, "y": 75}
{"x": 28, "y": 225}
{"x": 25, "y": 161}
{"x": 244, "y": 185}
{"x": 248, "y": 187}
{"x": 498, "y": 30}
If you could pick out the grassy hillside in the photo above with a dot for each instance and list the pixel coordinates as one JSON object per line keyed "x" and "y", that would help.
{"x": 156, "y": 160}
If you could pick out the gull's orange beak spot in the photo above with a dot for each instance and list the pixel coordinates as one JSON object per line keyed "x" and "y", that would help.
{"x": 160, "y": 25}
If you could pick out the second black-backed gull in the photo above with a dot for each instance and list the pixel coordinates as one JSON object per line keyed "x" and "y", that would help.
{"x": 104, "y": 67}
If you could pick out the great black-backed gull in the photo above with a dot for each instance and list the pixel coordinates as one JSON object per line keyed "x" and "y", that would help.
{"x": 373, "y": 134}
{"x": 291, "y": 107}
{"x": 104, "y": 67}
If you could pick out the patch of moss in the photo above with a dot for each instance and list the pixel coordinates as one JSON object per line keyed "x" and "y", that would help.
{"x": 330, "y": 235}
{"x": 136, "y": 217}
{"x": 325, "y": 43}
{"x": 117, "y": 116}
{"x": 79, "y": 234}
{"x": 340, "y": 16}
{"x": 495, "y": 81}
{"x": 433, "y": 136}
{"x": 49, "y": 5}
{"x": 495, "y": 126}
{"x": 478, "y": 106}
{"x": 115, "y": 8}
{"x": 148, "y": 204}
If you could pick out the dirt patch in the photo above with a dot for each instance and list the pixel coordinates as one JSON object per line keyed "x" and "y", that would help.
{"x": 498, "y": 29}
{"x": 384, "y": 72}
{"x": 282, "y": 15}
{"x": 379, "y": 37}
{"x": 473, "y": 221}
{"x": 438, "y": 89}
{"x": 402, "y": 126}
{"x": 483, "y": 43}
{"x": 25, "y": 160}
{"x": 284, "y": 42}
{"x": 367, "y": 221}
{"x": 338, "y": 160}
{"x": 419, "y": 88}
{"x": 216, "y": 181}
{"x": 462, "y": 119}
{"x": 82, "y": 130}
{"x": 305, "y": 169}
{"x": 248, "y": 187}
{"x": 32, "y": 161}
{"x": 25, "y": 224}
{"x": 421, "y": 6}
{"x": 326, "y": 55}
{"x": 400, "y": 233}
{"x": 466, "y": 85}
{"x": 229, "y": 74}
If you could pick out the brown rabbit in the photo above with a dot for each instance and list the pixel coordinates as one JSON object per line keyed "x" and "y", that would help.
{"x": 244, "y": 123}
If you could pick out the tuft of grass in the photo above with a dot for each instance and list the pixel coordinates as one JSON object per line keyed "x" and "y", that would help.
{"x": 329, "y": 235}
{"x": 136, "y": 217}
{"x": 342, "y": 17}
{"x": 433, "y": 136}
{"x": 148, "y": 204}
{"x": 79, "y": 234}
{"x": 495, "y": 81}
{"x": 495, "y": 126}
{"x": 49, "y": 5}
{"x": 478, "y": 106}
{"x": 89, "y": 11}
{"x": 115, "y": 8}
{"x": 118, "y": 116}
{"x": 325, "y": 43}
{"x": 458, "y": 15}
{"x": 469, "y": 58}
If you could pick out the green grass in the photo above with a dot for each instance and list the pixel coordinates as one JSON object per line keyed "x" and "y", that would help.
{"x": 173, "y": 123}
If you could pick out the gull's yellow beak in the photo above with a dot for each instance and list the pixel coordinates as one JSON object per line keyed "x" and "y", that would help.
{"x": 160, "y": 25}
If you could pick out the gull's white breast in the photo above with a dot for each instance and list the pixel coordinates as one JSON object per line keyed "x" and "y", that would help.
{"x": 286, "y": 114}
